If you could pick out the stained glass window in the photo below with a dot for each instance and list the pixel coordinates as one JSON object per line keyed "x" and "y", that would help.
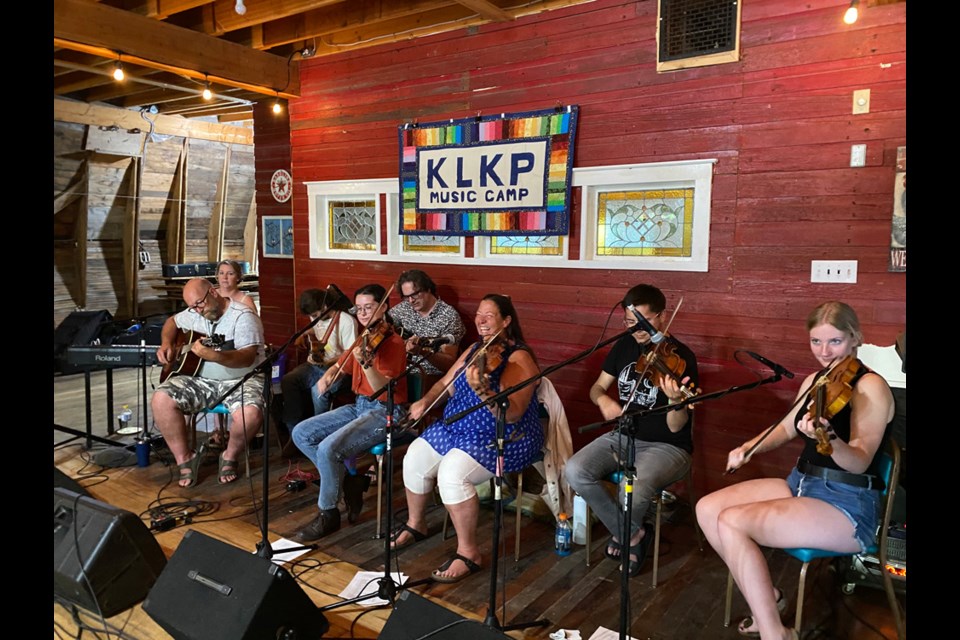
{"x": 527, "y": 245}
{"x": 656, "y": 222}
{"x": 432, "y": 244}
{"x": 352, "y": 224}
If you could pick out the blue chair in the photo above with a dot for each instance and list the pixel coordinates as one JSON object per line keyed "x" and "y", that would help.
{"x": 890, "y": 473}
{"x": 616, "y": 478}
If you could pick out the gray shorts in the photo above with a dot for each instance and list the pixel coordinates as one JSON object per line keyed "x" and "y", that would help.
{"x": 194, "y": 394}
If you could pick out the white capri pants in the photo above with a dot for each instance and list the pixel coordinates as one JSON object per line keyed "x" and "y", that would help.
{"x": 456, "y": 473}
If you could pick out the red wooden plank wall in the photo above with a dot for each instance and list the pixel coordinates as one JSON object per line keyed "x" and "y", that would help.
{"x": 779, "y": 122}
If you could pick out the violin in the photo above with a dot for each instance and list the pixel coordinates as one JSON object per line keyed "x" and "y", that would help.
{"x": 664, "y": 362}
{"x": 829, "y": 395}
{"x": 371, "y": 339}
{"x": 487, "y": 359}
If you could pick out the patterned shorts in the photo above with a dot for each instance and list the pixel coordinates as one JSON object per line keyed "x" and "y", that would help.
{"x": 193, "y": 395}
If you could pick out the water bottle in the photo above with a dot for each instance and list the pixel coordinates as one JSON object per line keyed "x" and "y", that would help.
{"x": 564, "y": 537}
{"x": 124, "y": 418}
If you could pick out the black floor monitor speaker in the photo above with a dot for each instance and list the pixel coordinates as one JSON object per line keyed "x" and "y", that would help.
{"x": 104, "y": 558}
{"x": 211, "y": 590}
{"x": 416, "y": 617}
{"x": 60, "y": 479}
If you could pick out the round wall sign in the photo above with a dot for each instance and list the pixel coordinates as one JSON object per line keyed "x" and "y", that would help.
{"x": 281, "y": 185}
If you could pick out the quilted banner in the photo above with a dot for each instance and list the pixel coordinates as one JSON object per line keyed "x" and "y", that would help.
{"x": 497, "y": 175}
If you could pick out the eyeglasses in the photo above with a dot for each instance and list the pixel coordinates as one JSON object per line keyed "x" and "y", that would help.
{"x": 367, "y": 308}
{"x": 633, "y": 322}
{"x": 203, "y": 302}
{"x": 411, "y": 296}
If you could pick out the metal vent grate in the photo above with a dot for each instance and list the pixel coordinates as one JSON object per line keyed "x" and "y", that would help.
{"x": 691, "y": 28}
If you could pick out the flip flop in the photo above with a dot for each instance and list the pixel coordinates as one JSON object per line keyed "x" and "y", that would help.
{"x": 417, "y": 536}
{"x": 470, "y": 564}
{"x": 744, "y": 627}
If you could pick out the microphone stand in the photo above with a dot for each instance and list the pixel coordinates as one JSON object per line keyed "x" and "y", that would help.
{"x": 264, "y": 548}
{"x": 502, "y": 402}
{"x": 626, "y": 423}
{"x": 387, "y": 589}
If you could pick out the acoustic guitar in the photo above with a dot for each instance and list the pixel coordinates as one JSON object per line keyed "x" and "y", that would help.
{"x": 186, "y": 362}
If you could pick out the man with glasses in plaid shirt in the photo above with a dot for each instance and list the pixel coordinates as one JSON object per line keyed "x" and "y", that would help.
{"x": 236, "y": 350}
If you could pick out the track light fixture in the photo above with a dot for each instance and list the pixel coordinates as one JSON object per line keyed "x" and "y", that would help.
{"x": 852, "y": 13}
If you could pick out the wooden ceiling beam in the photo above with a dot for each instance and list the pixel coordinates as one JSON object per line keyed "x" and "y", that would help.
{"x": 486, "y": 9}
{"x": 162, "y": 9}
{"x": 358, "y": 13}
{"x": 449, "y": 18}
{"x": 82, "y": 113}
{"x": 102, "y": 30}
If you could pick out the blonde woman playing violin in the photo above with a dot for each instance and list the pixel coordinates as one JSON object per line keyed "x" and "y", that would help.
{"x": 827, "y": 501}
{"x": 458, "y": 456}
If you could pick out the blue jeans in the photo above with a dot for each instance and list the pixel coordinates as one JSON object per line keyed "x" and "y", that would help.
{"x": 332, "y": 437}
{"x": 295, "y": 383}
{"x": 658, "y": 465}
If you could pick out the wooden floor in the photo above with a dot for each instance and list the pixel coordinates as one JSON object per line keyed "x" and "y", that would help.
{"x": 687, "y": 604}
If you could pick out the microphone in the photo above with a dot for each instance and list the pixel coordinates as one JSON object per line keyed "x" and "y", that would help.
{"x": 442, "y": 340}
{"x": 773, "y": 366}
{"x": 656, "y": 337}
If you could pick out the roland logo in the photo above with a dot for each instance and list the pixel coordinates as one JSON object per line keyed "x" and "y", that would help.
{"x": 106, "y": 358}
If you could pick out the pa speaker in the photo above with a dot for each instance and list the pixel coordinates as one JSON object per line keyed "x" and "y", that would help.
{"x": 416, "y": 617}
{"x": 104, "y": 558}
{"x": 211, "y": 590}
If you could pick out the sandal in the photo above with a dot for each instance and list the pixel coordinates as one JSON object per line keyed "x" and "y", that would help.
{"x": 612, "y": 550}
{"x": 745, "y": 628}
{"x": 470, "y": 564}
{"x": 640, "y": 551}
{"x": 192, "y": 468}
{"x": 227, "y": 468}
{"x": 417, "y": 536}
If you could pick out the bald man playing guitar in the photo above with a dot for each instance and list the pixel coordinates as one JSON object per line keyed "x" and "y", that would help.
{"x": 206, "y": 349}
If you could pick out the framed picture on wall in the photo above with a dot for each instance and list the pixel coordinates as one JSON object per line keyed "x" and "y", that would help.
{"x": 898, "y": 229}
{"x": 277, "y": 236}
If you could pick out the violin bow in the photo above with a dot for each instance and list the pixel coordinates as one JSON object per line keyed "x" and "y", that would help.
{"x": 366, "y": 332}
{"x": 804, "y": 395}
{"x": 636, "y": 383}
{"x": 462, "y": 370}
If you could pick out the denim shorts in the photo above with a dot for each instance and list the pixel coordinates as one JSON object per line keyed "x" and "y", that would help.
{"x": 859, "y": 504}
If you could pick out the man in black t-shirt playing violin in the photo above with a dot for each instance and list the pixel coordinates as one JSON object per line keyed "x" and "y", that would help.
{"x": 662, "y": 442}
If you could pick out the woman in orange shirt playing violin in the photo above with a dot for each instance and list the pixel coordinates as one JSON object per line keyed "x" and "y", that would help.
{"x": 829, "y": 501}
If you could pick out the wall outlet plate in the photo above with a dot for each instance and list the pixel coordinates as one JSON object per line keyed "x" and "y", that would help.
{"x": 840, "y": 271}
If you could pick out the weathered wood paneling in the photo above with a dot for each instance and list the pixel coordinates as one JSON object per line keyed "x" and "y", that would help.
{"x": 778, "y": 121}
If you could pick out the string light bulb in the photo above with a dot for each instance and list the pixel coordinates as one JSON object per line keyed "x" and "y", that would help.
{"x": 276, "y": 105}
{"x": 118, "y": 71}
{"x": 240, "y": 8}
{"x": 207, "y": 94}
{"x": 852, "y": 13}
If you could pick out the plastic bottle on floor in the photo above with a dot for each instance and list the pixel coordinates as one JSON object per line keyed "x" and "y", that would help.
{"x": 564, "y": 538}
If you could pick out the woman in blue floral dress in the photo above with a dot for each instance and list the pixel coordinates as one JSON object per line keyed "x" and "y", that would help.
{"x": 458, "y": 456}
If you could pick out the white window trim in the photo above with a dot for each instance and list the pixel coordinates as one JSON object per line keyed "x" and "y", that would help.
{"x": 682, "y": 174}
{"x": 697, "y": 174}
